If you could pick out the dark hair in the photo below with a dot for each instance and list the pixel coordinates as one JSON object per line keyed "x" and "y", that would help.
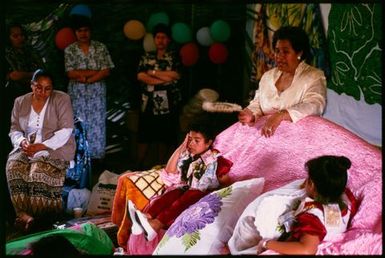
{"x": 163, "y": 28}
{"x": 298, "y": 39}
{"x": 329, "y": 175}
{"x": 12, "y": 25}
{"x": 54, "y": 246}
{"x": 205, "y": 125}
{"x": 41, "y": 73}
{"x": 79, "y": 21}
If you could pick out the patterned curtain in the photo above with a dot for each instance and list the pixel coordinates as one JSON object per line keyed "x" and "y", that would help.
{"x": 354, "y": 40}
{"x": 270, "y": 17}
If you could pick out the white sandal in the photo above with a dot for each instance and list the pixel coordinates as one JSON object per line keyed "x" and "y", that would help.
{"x": 149, "y": 232}
{"x": 136, "y": 228}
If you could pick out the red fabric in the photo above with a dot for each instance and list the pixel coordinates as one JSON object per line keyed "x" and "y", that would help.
{"x": 308, "y": 224}
{"x": 157, "y": 204}
{"x": 224, "y": 166}
{"x": 168, "y": 206}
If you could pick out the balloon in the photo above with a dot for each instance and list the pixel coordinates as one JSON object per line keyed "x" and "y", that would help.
{"x": 81, "y": 9}
{"x": 204, "y": 37}
{"x": 189, "y": 54}
{"x": 148, "y": 42}
{"x": 134, "y": 30}
{"x": 218, "y": 53}
{"x": 220, "y": 31}
{"x": 181, "y": 33}
{"x": 64, "y": 37}
{"x": 155, "y": 18}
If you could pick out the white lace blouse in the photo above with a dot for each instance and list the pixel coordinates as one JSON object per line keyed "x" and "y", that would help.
{"x": 305, "y": 96}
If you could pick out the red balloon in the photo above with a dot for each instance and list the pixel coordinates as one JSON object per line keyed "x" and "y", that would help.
{"x": 218, "y": 53}
{"x": 189, "y": 54}
{"x": 64, "y": 37}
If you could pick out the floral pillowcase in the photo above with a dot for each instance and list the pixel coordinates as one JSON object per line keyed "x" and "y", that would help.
{"x": 206, "y": 226}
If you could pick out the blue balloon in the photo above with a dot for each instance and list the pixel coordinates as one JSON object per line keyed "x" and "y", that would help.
{"x": 81, "y": 9}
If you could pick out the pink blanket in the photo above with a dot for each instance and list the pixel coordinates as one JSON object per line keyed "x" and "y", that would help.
{"x": 280, "y": 159}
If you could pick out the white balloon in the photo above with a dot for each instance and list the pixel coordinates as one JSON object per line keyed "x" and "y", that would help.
{"x": 204, "y": 37}
{"x": 148, "y": 42}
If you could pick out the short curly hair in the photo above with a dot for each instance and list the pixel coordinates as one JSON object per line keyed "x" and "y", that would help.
{"x": 298, "y": 39}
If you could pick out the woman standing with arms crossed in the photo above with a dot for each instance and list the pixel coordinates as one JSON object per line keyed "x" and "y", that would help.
{"x": 88, "y": 64}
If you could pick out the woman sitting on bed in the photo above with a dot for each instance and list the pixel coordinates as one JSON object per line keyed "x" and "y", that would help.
{"x": 326, "y": 209}
{"x": 290, "y": 91}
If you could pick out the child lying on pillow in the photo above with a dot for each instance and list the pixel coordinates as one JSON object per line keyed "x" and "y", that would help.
{"x": 200, "y": 170}
{"x": 326, "y": 209}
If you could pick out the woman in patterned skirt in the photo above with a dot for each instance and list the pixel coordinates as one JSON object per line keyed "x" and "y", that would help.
{"x": 41, "y": 133}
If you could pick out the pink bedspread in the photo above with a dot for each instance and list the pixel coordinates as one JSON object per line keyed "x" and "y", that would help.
{"x": 281, "y": 158}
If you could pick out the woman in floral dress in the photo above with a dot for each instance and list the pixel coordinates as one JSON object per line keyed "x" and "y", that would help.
{"x": 88, "y": 64}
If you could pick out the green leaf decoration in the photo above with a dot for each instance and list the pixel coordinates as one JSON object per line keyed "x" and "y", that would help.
{"x": 225, "y": 191}
{"x": 189, "y": 240}
{"x": 163, "y": 241}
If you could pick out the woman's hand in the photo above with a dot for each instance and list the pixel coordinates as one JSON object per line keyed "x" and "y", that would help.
{"x": 246, "y": 117}
{"x": 273, "y": 122}
{"x": 31, "y": 149}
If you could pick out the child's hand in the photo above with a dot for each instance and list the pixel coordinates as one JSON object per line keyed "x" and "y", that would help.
{"x": 184, "y": 144}
{"x": 224, "y": 180}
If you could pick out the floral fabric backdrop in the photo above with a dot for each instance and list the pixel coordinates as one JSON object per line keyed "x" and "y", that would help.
{"x": 354, "y": 37}
{"x": 267, "y": 18}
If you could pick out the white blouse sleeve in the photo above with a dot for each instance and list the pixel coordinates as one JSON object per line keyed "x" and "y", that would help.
{"x": 254, "y": 105}
{"x": 59, "y": 138}
{"x": 16, "y": 138}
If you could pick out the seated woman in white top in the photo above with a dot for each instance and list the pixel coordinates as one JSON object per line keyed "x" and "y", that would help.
{"x": 41, "y": 133}
{"x": 290, "y": 91}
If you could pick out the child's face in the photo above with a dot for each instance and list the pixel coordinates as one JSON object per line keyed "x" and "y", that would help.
{"x": 197, "y": 143}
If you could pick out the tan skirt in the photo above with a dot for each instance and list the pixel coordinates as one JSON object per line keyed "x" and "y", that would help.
{"x": 35, "y": 185}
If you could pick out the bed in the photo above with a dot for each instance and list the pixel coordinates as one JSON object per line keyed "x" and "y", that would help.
{"x": 262, "y": 164}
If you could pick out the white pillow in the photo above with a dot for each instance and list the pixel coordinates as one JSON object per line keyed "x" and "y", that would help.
{"x": 264, "y": 211}
{"x": 206, "y": 226}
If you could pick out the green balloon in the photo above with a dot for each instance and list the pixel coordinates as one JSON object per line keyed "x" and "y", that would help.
{"x": 220, "y": 31}
{"x": 156, "y": 18}
{"x": 181, "y": 32}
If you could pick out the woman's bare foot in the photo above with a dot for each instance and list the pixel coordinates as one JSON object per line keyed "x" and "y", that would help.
{"x": 24, "y": 220}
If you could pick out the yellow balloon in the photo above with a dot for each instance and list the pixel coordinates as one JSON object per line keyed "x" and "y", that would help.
{"x": 134, "y": 30}
{"x": 148, "y": 43}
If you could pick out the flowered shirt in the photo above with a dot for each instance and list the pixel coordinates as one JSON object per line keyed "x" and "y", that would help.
{"x": 201, "y": 173}
{"x": 163, "y": 98}
{"x": 98, "y": 57}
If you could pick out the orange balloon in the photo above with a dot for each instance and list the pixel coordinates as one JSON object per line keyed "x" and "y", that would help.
{"x": 64, "y": 37}
{"x": 134, "y": 30}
